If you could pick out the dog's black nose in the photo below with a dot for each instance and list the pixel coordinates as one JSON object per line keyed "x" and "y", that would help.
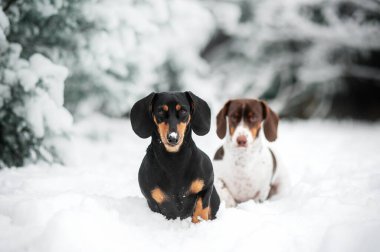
{"x": 173, "y": 138}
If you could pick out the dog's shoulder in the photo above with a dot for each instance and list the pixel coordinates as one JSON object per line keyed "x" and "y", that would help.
{"x": 203, "y": 159}
{"x": 201, "y": 166}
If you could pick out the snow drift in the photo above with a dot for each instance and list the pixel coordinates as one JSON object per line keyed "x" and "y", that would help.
{"x": 95, "y": 204}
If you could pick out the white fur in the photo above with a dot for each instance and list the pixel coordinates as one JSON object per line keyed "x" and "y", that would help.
{"x": 246, "y": 173}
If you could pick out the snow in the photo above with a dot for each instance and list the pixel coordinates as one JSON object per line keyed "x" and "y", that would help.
{"x": 257, "y": 58}
{"x": 95, "y": 204}
{"x": 227, "y": 15}
{"x": 5, "y": 94}
{"x": 52, "y": 75}
{"x": 42, "y": 113}
{"x": 43, "y": 82}
{"x": 4, "y": 24}
{"x": 28, "y": 79}
{"x": 132, "y": 43}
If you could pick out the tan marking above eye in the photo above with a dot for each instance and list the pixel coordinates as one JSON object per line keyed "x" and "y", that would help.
{"x": 165, "y": 107}
{"x": 178, "y": 107}
{"x": 196, "y": 186}
{"x": 158, "y": 195}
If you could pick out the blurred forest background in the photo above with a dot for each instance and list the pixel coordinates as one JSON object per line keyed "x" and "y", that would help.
{"x": 61, "y": 60}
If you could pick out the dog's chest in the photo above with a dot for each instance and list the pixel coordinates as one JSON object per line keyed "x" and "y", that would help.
{"x": 247, "y": 175}
{"x": 178, "y": 198}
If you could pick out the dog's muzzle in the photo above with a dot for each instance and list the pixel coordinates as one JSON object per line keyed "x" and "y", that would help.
{"x": 241, "y": 141}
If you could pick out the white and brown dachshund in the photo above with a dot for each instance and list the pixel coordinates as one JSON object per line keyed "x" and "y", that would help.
{"x": 245, "y": 168}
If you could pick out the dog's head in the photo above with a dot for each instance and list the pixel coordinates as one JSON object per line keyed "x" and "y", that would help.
{"x": 245, "y": 119}
{"x": 171, "y": 115}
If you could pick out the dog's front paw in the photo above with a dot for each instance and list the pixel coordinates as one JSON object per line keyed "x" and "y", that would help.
{"x": 201, "y": 212}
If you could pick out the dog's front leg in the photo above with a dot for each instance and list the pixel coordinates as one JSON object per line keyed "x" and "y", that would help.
{"x": 202, "y": 206}
{"x": 224, "y": 193}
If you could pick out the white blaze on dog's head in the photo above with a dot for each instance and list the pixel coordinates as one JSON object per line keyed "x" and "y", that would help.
{"x": 245, "y": 120}
{"x": 242, "y": 136}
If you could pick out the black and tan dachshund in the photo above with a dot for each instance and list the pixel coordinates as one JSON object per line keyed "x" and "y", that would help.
{"x": 175, "y": 176}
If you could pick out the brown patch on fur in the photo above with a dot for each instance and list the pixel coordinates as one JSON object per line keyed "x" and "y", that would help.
{"x": 273, "y": 190}
{"x": 273, "y": 187}
{"x": 196, "y": 186}
{"x": 232, "y": 130}
{"x": 199, "y": 211}
{"x": 181, "y": 129}
{"x": 255, "y": 131}
{"x": 158, "y": 195}
{"x": 178, "y": 107}
{"x": 219, "y": 154}
{"x": 257, "y": 195}
{"x": 165, "y": 107}
{"x": 270, "y": 122}
{"x": 163, "y": 129}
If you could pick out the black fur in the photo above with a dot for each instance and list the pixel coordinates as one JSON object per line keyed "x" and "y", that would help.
{"x": 141, "y": 116}
{"x": 173, "y": 172}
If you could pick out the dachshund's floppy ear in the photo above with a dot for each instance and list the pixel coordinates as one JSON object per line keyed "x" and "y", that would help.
{"x": 200, "y": 114}
{"x": 270, "y": 122}
{"x": 221, "y": 121}
{"x": 141, "y": 116}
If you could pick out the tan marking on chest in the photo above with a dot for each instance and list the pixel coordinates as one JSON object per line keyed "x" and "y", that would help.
{"x": 196, "y": 186}
{"x": 158, "y": 195}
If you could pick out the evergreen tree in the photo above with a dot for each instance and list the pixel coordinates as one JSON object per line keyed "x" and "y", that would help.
{"x": 115, "y": 50}
{"x": 312, "y": 58}
{"x": 32, "y": 116}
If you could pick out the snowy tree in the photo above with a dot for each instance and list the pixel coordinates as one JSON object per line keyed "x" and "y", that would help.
{"x": 305, "y": 53}
{"x": 116, "y": 50}
{"x": 32, "y": 117}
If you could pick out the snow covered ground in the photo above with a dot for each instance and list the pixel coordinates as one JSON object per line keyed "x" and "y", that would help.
{"x": 94, "y": 204}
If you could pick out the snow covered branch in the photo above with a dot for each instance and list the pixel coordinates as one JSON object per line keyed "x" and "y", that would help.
{"x": 32, "y": 116}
